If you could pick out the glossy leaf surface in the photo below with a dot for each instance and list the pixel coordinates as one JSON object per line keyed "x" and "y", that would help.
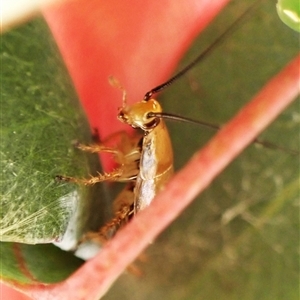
{"x": 37, "y": 130}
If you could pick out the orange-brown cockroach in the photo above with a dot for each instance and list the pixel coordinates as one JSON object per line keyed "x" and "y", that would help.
{"x": 142, "y": 163}
{"x": 145, "y": 162}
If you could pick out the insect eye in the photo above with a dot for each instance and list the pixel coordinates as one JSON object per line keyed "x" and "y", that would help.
{"x": 122, "y": 116}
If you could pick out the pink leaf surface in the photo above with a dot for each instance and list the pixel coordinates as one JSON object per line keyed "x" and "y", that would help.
{"x": 9, "y": 293}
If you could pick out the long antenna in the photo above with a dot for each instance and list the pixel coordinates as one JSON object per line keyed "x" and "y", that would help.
{"x": 257, "y": 141}
{"x": 233, "y": 27}
{"x": 174, "y": 117}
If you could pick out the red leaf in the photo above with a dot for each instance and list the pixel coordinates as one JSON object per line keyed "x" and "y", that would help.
{"x": 11, "y": 294}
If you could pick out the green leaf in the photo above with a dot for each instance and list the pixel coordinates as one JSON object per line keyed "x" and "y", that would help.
{"x": 31, "y": 264}
{"x": 40, "y": 117}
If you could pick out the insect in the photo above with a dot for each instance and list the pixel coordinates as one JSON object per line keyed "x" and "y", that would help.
{"x": 142, "y": 163}
{"x": 145, "y": 162}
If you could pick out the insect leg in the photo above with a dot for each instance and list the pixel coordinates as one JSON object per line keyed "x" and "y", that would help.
{"x": 126, "y": 153}
{"x": 112, "y": 176}
{"x": 122, "y": 213}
